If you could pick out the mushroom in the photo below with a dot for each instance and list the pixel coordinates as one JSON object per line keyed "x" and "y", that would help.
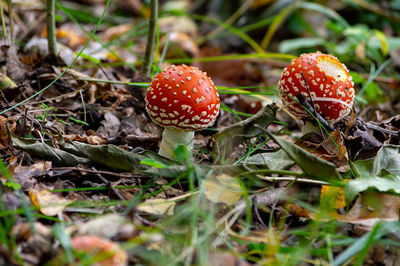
{"x": 328, "y": 81}
{"x": 103, "y": 251}
{"x": 182, "y": 99}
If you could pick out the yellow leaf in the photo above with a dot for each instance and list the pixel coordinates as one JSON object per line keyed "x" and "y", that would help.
{"x": 157, "y": 206}
{"x": 330, "y": 193}
{"x": 49, "y": 203}
{"x": 223, "y": 189}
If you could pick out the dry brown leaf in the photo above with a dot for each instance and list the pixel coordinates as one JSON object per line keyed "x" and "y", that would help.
{"x": 180, "y": 44}
{"x": 49, "y": 203}
{"x": 372, "y": 207}
{"x": 113, "y": 32}
{"x": 4, "y": 140}
{"x": 331, "y": 145}
{"x": 26, "y": 175}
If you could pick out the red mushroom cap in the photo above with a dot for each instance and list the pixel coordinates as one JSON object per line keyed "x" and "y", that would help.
{"x": 104, "y": 251}
{"x": 182, "y": 97}
{"x": 329, "y": 82}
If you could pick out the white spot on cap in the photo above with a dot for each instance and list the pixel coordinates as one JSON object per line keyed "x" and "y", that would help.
{"x": 199, "y": 100}
{"x": 188, "y": 77}
{"x": 184, "y": 92}
{"x": 164, "y": 99}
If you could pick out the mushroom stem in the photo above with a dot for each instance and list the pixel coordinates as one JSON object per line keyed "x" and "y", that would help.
{"x": 172, "y": 138}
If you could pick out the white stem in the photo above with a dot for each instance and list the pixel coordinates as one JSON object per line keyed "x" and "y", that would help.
{"x": 172, "y": 138}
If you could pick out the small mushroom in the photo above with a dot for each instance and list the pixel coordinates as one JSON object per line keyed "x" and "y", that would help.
{"x": 104, "y": 252}
{"x": 182, "y": 99}
{"x": 328, "y": 81}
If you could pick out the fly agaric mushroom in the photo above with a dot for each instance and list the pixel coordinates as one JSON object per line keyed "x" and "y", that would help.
{"x": 328, "y": 81}
{"x": 182, "y": 99}
{"x": 104, "y": 252}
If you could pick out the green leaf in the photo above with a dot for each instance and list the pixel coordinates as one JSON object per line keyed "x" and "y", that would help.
{"x": 387, "y": 159}
{"x": 382, "y": 184}
{"x": 311, "y": 165}
{"x": 108, "y": 155}
{"x": 230, "y": 137}
{"x": 181, "y": 153}
{"x": 277, "y": 160}
{"x": 47, "y": 152}
{"x": 12, "y": 185}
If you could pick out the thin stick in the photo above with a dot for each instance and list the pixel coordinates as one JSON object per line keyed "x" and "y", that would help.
{"x": 151, "y": 35}
{"x": 3, "y": 23}
{"x": 10, "y": 12}
{"x": 51, "y": 26}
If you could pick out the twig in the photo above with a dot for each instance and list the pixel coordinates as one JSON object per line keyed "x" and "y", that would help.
{"x": 381, "y": 129}
{"x": 51, "y": 26}
{"x": 151, "y": 35}
{"x": 110, "y": 186}
{"x": 10, "y": 12}
{"x": 3, "y": 23}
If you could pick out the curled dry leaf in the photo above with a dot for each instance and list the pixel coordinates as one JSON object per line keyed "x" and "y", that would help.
{"x": 102, "y": 251}
{"x": 92, "y": 139}
{"x": 223, "y": 189}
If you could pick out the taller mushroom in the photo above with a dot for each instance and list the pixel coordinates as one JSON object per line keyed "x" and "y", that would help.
{"x": 329, "y": 83}
{"x": 182, "y": 99}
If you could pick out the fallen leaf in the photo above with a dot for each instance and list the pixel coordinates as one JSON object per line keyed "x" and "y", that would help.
{"x": 335, "y": 141}
{"x": 333, "y": 195}
{"x": 383, "y": 184}
{"x": 157, "y": 207}
{"x": 309, "y": 163}
{"x": 372, "y": 207}
{"x": 26, "y": 175}
{"x": 49, "y": 203}
{"x": 230, "y": 137}
{"x": 108, "y": 226}
{"x": 223, "y": 189}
